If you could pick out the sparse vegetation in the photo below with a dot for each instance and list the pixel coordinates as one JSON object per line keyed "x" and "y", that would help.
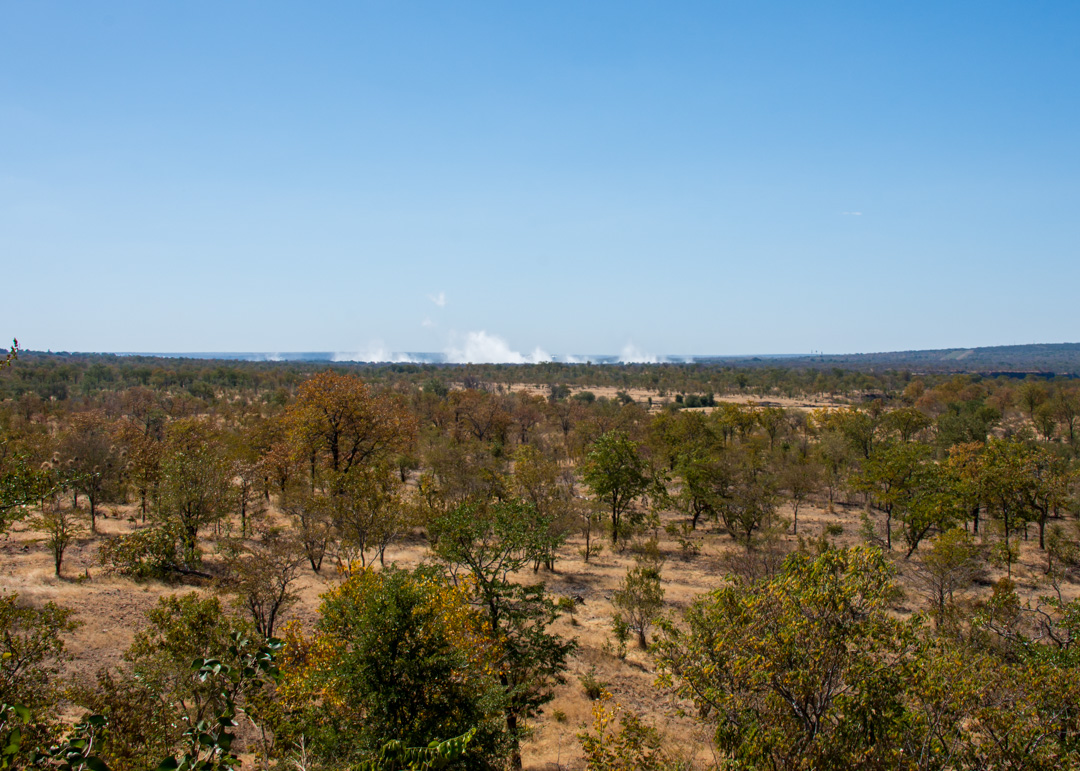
{"x": 856, "y": 576}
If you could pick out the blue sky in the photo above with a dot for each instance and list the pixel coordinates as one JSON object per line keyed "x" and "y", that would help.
{"x": 696, "y": 178}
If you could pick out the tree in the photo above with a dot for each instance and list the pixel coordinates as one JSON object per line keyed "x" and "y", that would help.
{"x": 951, "y": 564}
{"x": 968, "y": 421}
{"x": 60, "y": 527}
{"x": 835, "y": 454}
{"x": 480, "y": 414}
{"x": 906, "y": 422}
{"x": 488, "y": 544}
{"x": 182, "y": 629}
{"x": 673, "y": 435}
{"x": 152, "y": 552}
{"x": 1045, "y": 419}
{"x": 1006, "y": 479}
{"x": 1053, "y": 479}
{"x": 640, "y": 597}
{"x": 21, "y": 485}
{"x": 314, "y": 525}
{"x": 244, "y": 454}
{"x": 1032, "y": 393}
{"x": 706, "y": 480}
{"x": 749, "y": 506}
{"x": 397, "y": 655}
{"x": 32, "y": 650}
{"x": 858, "y": 428}
{"x": 93, "y": 460}
{"x": 341, "y": 423}
{"x": 1067, "y": 410}
{"x": 803, "y": 670}
{"x": 138, "y": 733}
{"x": 367, "y": 513}
{"x": 143, "y": 466}
{"x": 888, "y": 475}
{"x": 195, "y": 486}
{"x": 539, "y": 480}
{"x": 773, "y": 420}
{"x": 801, "y": 477}
{"x": 934, "y": 500}
{"x": 617, "y": 475}
{"x": 636, "y": 746}
{"x": 262, "y": 573}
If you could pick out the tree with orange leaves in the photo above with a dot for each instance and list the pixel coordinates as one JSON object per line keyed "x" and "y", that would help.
{"x": 340, "y": 423}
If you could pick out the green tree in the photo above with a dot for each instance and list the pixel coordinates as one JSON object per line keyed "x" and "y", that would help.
{"x": 773, "y": 420}
{"x": 950, "y": 565}
{"x": 801, "y": 478}
{"x": 905, "y": 422}
{"x": 968, "y": 421}
{"x": 933, "y": 501}
{"x": 1006, "y": 478}
{"x": 748, "y": 509}
{"x": 488, "y": 544}
{"x": 195, "y": 483}
{"x": 397, "y": 655}
{"x": 539, "y": 480}
{"x": 32, "y": 652}
{"x": 636, "y": 746}
{"x": 802, "y": 670}
{"x": 94, "y": 461}
{"x": 706, "y": 478}
{"x": 20, "y": 486}
{"x": 367, "y": 512}
{"x": 639, "y": 599}
{"x": 617, "y": 475}
{"x": 1067, "y": 410}
{"x": 139, "y": 733}
{"x": 60, "y": 527}
{"x": 888, "y": 475}
{"x": 181, "y": 629}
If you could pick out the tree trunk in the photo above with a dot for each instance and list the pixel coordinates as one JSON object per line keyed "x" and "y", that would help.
{"x": 512, "y": 729}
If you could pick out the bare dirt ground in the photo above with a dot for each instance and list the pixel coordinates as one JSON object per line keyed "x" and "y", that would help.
{"x": 643, "y": 395}
{"x": 112, "y": 608}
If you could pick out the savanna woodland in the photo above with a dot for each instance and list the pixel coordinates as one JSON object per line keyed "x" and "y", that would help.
{"x": 300, "y": 566}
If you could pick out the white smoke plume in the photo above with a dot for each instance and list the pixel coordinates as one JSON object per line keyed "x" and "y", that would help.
{"x": 631, "y": 354}
{"x": 375, "y": 352}
{"x": 482, "y": 348}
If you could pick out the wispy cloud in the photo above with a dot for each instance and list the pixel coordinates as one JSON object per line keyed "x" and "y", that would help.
{"x": 439, "y": 299}
{"x": 851, "y": 213}
{"x": 428, "y": 324}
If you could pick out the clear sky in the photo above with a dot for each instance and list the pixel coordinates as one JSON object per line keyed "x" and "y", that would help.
{"x": 580, "y": 177}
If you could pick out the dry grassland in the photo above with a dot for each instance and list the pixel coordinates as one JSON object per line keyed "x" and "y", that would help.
{"x": 112, "y": 608}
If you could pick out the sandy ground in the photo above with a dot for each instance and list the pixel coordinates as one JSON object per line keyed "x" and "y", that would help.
{"x": 642, "y": 396}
